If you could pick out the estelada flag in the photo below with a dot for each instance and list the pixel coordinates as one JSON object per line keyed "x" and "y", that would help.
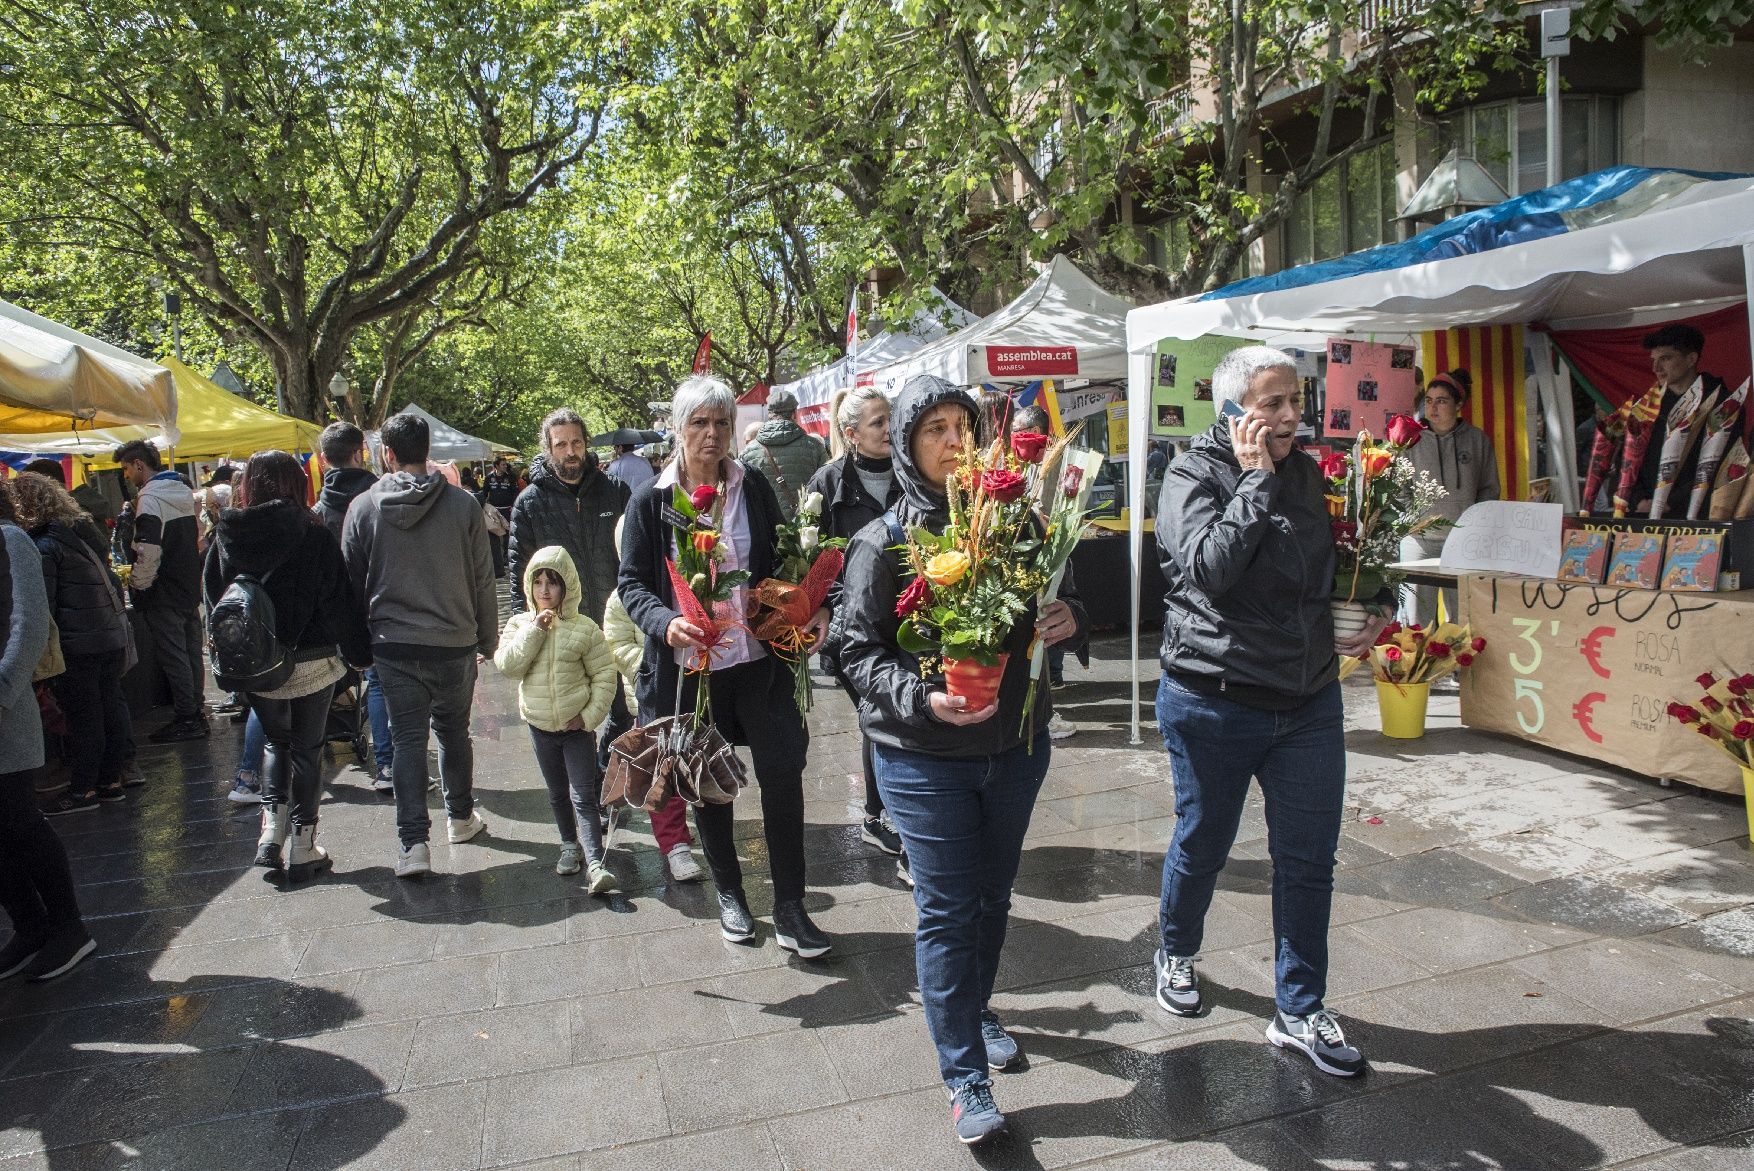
{"x": 703, "y": 355}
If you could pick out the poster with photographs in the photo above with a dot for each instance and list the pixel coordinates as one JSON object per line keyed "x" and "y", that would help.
{"x": 1366, "y": 384}
{"x": 1181, "y": 391}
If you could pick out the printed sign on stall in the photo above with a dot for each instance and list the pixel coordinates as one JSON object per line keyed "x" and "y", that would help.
{"x": 1030, "y": 361}
{"x": 1181, "y": 384}
{"x": 1366, "y": 384}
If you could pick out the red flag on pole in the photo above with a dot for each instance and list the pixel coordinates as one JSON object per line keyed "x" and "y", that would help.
{"x": 703, "y": 356}
{"x": 853, "y": 331}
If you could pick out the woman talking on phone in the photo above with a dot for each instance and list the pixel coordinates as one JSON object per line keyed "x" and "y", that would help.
{"x": 1249, "y": 690}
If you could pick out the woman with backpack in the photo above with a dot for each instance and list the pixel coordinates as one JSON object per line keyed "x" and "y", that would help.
{"x": 86, "y": 605}
{"x": 281, "y": 617}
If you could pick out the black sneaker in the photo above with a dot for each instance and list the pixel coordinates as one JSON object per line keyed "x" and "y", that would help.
{"x": 111, "y": 794}
{"x": 735, "y": 923}
{"x": 974, "y": 1113}
{"x": 70, "y": 803}
{"x": 16, "y": 956}
{"x": 132, "y": 777}
{"x": 793, "y": 930}
{"x": 1001, "y": 1048}
{"x": 1178, "y": 989}
{"x": 193, "y": 728}
{"x": 877, "y": 831}
{"x": 1318, "y": 1037}
{"x": 61, "y": 954}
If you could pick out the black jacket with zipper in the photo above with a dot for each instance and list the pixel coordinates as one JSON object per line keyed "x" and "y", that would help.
{"x": 894, "y": 710}
{"x": 580, "y": 518}
{"x": 299, "y": 565}
{"x": 84, "y": 599}
{"x": 341, "y": 486}
{"x": 846, "y": 508}
{"x": 647, "y": 541}
{"x": 1249, "y": 559}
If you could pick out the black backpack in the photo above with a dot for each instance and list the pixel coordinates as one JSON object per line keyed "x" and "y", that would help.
{"x": 247, "y": 654}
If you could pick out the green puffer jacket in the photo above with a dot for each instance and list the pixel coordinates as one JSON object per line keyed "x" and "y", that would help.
{"x": 788, "y": 456}
{"x": 564, "y": 672}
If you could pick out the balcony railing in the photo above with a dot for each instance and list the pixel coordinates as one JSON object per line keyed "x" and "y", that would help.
{"x": 1172, "y": 113}
{"x": 1375, "y": 15}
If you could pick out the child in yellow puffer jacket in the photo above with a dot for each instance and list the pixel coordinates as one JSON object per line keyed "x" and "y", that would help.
{"x": 566, "y": 682}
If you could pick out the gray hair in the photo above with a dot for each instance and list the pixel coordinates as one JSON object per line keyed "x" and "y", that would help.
{"x": 1236, "y": 372}
{"x": 849, "y": 408}
{"x": 698, "y": 391}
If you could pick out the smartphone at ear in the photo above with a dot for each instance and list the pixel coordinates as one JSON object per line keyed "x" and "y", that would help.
{"x": 1231, "y": 409}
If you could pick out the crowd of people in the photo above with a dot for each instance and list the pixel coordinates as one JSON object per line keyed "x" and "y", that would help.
{"x": 394, "y": 577}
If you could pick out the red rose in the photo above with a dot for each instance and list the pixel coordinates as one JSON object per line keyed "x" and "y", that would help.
{"x": 1736, "y": 686}
{"x": 1706, "y": 680}
{"x": 1333, "y": 465}
{"x": 1744, "y": 730}
{"x": 1404, "y": 430}
{"x": 702, "y": 497}
{"x": 1388, "y": 633}
{"x": 1710, "y": 704}
{"x": 1706, "y": 730}
{"x": 1479, "y": 644}
{"x": 1069, "y": 482}
{"x": 914, "y": 597}
{"x": 1028, "y": 445}
{"x": 1438, "y": 650}
{"x": 1002, "y": 485}
{"x": 1683, "y": 713}
{"x": 1747, "y": 681}
{"x": 1391, "y": 654}
{"x": 1464, "y": 659}
{"x": 1736, "y": 472}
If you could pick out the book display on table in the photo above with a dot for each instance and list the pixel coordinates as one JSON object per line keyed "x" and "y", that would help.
{"x": 1585, "y": 557}
{"x": 1637, "y": 560}
{"x": 1693, "y": 561}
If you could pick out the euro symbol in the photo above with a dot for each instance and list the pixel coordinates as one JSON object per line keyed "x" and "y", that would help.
{"x": 1583, "y": 711}
{"x": 1591, "y": 649}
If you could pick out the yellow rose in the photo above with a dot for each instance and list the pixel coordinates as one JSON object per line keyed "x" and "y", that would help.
{"x": 946, "y": 569}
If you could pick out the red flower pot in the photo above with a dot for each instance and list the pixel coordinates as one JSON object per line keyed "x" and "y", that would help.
{"x": 974, "y": 681}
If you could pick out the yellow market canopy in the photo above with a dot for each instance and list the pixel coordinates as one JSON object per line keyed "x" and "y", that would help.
{"x": 52, "y": 377}
{"x": 213, "y": 421}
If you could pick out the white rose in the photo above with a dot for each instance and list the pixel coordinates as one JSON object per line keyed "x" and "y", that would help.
{"x": 812, "y": 505}
{"x": 809, "y": 536}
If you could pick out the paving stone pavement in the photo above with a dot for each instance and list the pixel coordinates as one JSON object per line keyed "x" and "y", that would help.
{"x": 1549, "y": 962}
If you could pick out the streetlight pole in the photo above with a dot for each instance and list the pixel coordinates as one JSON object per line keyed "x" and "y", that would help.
{"x": 173, "y": 307}
{"x": 1555, "y": 43}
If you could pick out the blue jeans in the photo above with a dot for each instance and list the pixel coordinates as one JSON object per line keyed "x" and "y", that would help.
{"x": 255, "y": 744}
{"x": 435, "y": 694}
{"x": 1215, "y": 746}
{"x": 962, "y": 822}
{"x": 378, "y": 710}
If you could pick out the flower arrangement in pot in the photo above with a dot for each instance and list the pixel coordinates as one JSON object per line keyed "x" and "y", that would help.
{"x": 973, "y": 581}
{"x": 1724, "y": 714}
{"x": 1405, "y": 661}
{"x": 1376, "y": 498}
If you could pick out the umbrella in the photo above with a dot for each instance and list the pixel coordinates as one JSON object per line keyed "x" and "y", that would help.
{"x": 624, "y": 437}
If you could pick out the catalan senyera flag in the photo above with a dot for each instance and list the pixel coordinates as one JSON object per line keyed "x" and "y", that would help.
{"x": 1499, "y": 401}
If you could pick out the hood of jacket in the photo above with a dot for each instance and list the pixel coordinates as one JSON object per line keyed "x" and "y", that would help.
{"x": 780, "y": 433}
{"x": 1214, "y": 443}
{"x": 406, "y": 499}
{"x": 341, "y": 485}
{"x": 920, "y": 394}
{"x": 257, "y": 538}
{"x": 543, "y": 474}
{"x": 559, "y": 560}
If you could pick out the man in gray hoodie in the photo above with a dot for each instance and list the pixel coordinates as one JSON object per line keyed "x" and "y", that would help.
{"x": 417, "y": 553}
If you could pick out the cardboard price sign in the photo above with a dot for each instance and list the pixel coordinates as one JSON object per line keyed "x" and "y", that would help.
{"x": 1592, "y": 670}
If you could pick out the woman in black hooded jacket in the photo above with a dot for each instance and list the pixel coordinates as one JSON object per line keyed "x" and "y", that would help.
{"x": 275, "y": 537}
{"x": 959, "y": 785}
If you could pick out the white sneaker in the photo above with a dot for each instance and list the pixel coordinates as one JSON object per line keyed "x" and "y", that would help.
{"x": 571, "y": 858}
{"x": 1060, "y": 728}
{"x": 460, "y": 831}
{"x": 601, "y": 882}
{"x": 683, "y": 867}
{"x": 382, "y": 783}
{"x": 413, "y": 861}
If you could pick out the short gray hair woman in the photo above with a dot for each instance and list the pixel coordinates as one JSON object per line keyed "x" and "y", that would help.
{"x": 1249, "y": 691}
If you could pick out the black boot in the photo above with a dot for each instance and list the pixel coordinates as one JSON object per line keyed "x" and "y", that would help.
{"x": 734, "y": 921}
{"x": 793, "y": 930}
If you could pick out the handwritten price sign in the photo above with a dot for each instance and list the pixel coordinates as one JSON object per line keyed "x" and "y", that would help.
{"x": 1591, "y": 669}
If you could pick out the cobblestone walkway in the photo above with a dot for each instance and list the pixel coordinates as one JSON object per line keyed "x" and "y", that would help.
{"x": 1548, "y": 963}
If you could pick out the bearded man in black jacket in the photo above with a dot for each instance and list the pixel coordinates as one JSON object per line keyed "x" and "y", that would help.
{"x": 573, "y": 504}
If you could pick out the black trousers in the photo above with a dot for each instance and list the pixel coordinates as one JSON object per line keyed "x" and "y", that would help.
{"x": 36, "y": 885}
{"x": 292, "y": 768}
{"x": 753, "y": 705}
{"x": 873, "y": 799}
{"x": 568, "y": 761}
{"x": 619, "y": 721}
{"x": 90, "y": 694}
{"x": 177, "y": 641}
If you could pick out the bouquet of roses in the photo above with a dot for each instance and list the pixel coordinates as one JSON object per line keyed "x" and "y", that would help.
{"x": 1724, "y": 714}
{"x": 975, "y": 579}
{"x": 784, "y": 603}
{"x": 1375, "y": 498}
{"x": 1412, "y": 654}
{"x": 703, "y": 591}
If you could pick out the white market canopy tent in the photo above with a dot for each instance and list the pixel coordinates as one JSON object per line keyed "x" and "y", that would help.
{"x": 1063, "y": 326}
{"x": 1693, "y": 252}
{"x": 448, "y": 443}
{"x": 816, "y": 389}
{"x": 50, "y": 374}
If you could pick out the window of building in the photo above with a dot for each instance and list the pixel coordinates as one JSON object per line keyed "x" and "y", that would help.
{"x": 1509, "y": 139}
{"x": 1166, "y": 244}
{"x": 1350, "y": 208}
